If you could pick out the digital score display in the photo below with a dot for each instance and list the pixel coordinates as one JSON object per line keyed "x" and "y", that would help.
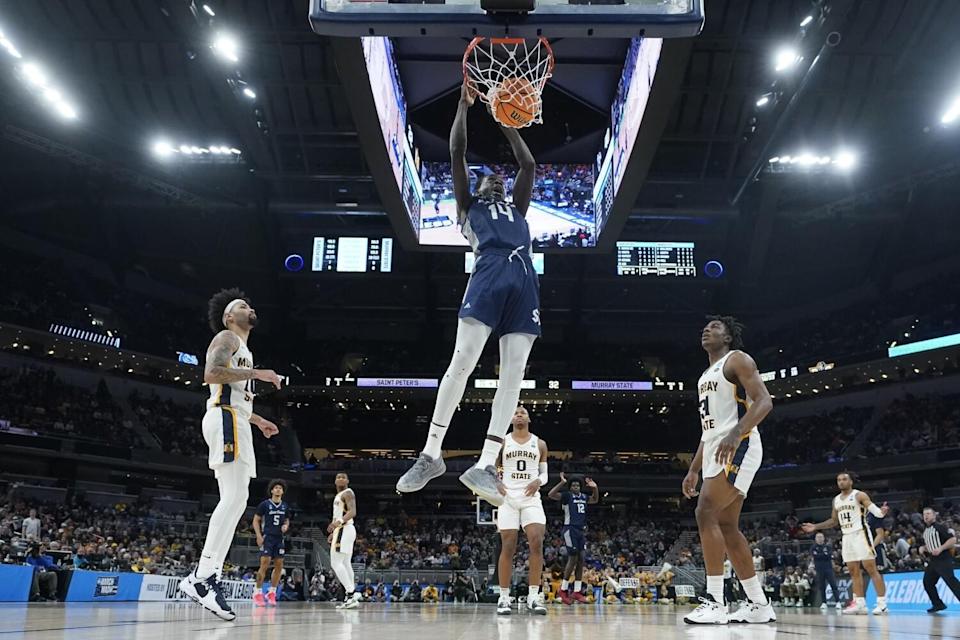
{"x": 662, "y": 259}
{"x": 352, "y": 255}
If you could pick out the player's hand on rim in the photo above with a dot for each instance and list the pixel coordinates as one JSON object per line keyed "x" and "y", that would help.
{"x": 468, "y": 94}
{"x": 267, "y": 375}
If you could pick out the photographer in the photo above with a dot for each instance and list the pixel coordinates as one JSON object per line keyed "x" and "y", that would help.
{"x": 44, "y": 574}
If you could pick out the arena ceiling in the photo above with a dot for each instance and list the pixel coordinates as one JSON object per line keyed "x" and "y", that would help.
{"x": 140, "y": 69}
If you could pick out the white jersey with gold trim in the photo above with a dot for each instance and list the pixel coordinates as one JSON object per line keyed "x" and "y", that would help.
{"x": 850, "y": 513}
{"x": 340, "y": 507}
{"x": 238, "y": 395}
{"x": 521, "y": 463}
{"x": 722, "y": 403}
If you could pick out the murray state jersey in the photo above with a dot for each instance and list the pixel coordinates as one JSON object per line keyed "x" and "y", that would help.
{"x": 340, "y": 507}
{"x": 497, "y": 225}
{"x": 521, "y": 463}
{"x": 850, "y": 513}
{"x": 238, "y": 395}
{"x": 722, "y": 403}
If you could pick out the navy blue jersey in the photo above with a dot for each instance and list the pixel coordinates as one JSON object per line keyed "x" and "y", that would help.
{"x": 272, "y": 516}
{"x": 497, "y": 225}
{"x": 574, "y": 508}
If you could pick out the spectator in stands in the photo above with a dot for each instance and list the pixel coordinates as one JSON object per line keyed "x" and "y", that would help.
{"x": 31, "y": 526}
{"x": 44, "y": 574}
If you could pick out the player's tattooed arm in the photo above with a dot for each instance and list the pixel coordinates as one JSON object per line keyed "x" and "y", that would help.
{"x": 523, "y": 183}
{"x": 350, "y": 502}
{"x": 217, "y": 367}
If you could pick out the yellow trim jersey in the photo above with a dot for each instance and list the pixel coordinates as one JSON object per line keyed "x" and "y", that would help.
{"x": 521, "y": 463}
{"x": 237, "y": 395}
{"x": 850, "y": 513}
{"x": 722, "y": 403}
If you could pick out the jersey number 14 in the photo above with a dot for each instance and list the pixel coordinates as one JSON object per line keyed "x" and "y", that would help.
{"x": 498, "y": 209}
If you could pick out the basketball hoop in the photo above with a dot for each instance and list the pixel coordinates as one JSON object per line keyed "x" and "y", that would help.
{"x": 509, "y": 72}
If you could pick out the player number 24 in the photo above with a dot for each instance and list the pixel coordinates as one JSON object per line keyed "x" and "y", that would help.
{"x": 498, "y": 209}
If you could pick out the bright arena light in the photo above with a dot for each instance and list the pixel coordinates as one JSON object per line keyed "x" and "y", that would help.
{"x": 6, "y": 44}
{"x": 250, "y": 93}
{"x": 845, "y": 160}
{"x": 164, "y": 149}
{"x": 763, "y": 100}
{"x": 34, "y": 74}
{"x": 785, "y": 58}
{"x": 66, "y": 111}
{"x": 226, "y": 46}
{"x": 209, "y": 11}
{"x": 952, "y": 113}
{"x": 805, "y": 22}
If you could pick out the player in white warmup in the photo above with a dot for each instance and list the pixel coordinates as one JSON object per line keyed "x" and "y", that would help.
{"x": 343, "y": 533}
{"x": 733, "y": 401}
{"x": 524, "y": 463}
{"x": 850, "y": 508}
{"x": 226, "y": 428}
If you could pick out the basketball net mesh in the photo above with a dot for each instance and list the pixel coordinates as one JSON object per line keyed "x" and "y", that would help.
{"x": 510, "y": 70}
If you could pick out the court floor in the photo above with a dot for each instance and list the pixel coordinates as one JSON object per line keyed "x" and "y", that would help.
{"x": 291, "y": 621}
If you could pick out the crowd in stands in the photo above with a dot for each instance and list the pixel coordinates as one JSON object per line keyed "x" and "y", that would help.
{"x": 35, "y": 399}
{"x": 917, "y": 423}
{"x": 811, "y": 439}
{"x": 176, "y": 426}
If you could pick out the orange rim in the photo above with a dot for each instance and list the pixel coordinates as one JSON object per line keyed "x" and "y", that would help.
{"x": 478, "y": 39}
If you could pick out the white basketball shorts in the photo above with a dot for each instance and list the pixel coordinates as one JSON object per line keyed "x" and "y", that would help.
{"x": 746, "y": 462}
{"x": 517, "y": 512}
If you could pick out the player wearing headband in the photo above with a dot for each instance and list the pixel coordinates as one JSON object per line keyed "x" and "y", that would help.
{"x": 227, "y": 429}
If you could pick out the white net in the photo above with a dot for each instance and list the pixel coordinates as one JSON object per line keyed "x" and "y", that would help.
{"x": 510, "y": 71}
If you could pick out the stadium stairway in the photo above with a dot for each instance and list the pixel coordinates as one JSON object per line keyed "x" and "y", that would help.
{"x": 859, "y": 443}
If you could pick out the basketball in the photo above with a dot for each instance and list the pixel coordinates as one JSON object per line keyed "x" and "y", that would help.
{"x": 515, "y": 103}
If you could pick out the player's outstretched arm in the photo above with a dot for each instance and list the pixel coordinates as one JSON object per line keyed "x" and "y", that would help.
{"x": 595, "y": 491}
{"x": 266, "y": 427}
{"x": 458, "y": 152}
{"x": 809, "y": 527}
{"x": 554, "y": 493}
{"x": 523, "y": 184}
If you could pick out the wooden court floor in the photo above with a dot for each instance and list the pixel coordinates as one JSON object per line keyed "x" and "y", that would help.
{"x": 320, "y": 621}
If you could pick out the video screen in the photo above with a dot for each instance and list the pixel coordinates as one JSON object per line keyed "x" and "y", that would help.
{"x": 352, "y": 255}
{"x": 392, "y": 113}
{"x": 561, "y": 211}
{"x": 626, "y": 114}
{"x": 656, "y": 259}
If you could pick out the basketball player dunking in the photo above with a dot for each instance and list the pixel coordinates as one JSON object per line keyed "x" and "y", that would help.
{"x": 502, "y": 298}
{"x": 226, "y": 428}
{"x": 524, "y": 463}
{"x": 270, "y": 523}
{"x": 733, "y": 401}
{"x": 343, "y": 533}
{"x": 850, "y": 508}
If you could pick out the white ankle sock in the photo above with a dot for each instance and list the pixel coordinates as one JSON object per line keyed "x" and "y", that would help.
{"x": 504, "y": 593}
{"x": 434, "y": 446}
{"x": 489, "y": 455}
{"x": 577, "y": 586}
{"x": 533, "y": 593}
{"x": 754, "y": 591}
{"x": 564, "y": 585}
{"x": 715, "y": 588}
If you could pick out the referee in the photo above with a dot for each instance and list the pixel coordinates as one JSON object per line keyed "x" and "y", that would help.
{"x": 939, "y": 542}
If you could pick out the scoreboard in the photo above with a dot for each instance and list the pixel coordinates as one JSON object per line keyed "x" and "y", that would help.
{"x": 661, "y": 259}
{"x": 352, "y": 254}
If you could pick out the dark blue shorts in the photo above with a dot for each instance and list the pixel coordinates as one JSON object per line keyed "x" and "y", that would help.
{"x": 272, "y": 547}
{"x": 574, "y": 539}
{"x": 504, "y": 294}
